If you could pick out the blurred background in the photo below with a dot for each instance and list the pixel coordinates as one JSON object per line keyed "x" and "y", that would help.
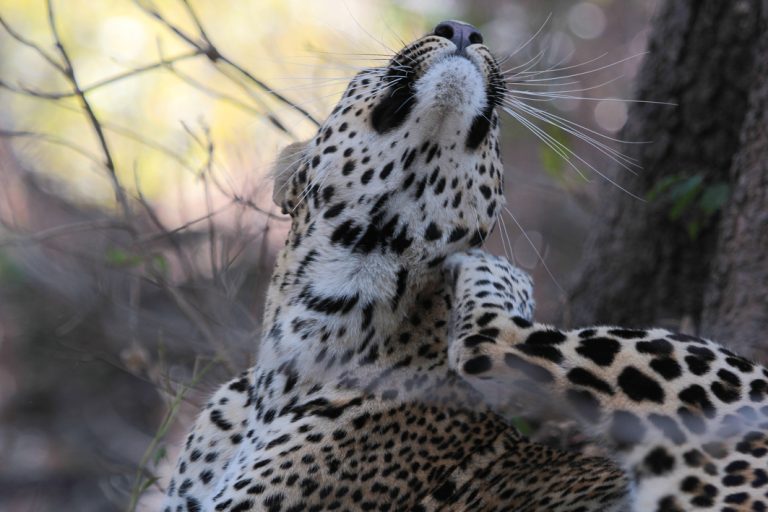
{"x": 137, "y": 231}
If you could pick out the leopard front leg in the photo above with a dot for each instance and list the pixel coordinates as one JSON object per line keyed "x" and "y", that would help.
{"x": 489, "y": 298}
{"x": 687, "y": 418}
{"x": 491, "y": 301}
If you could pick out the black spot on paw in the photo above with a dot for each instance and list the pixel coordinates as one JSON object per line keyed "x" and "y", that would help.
{"x": 601, "y": 351}
{"x": 666, "y": 367}
{"x": 586, "y": 378}
{"x": 659, "y": 461}
{"x": 639, "y": 387}
{"x": 521, "y": 322}
{"x": 548, "y": 337}
{"x": 477, "y": 365}
{"x": 543, "y": 351}
{"x": 433, "y": 232}
{"x": 659, "y": 347}
{"x": 627, "y": 334}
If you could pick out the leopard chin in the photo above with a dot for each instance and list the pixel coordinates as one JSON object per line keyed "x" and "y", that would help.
{"x": 450, "y": 94}
{"x": 441, "y": 82}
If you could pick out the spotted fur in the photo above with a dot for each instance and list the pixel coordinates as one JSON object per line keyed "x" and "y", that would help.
{"x": 353, "y": 404}
{"x": 685, "y": 417}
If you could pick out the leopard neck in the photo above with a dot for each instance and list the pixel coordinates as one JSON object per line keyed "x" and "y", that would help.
{"x": 332, "y": 308}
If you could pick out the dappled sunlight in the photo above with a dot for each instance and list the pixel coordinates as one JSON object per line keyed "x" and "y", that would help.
{"x": 154, "y": 118}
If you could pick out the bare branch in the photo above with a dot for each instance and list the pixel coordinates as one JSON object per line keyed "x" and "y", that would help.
{"x": 153, "y": 12}
{"x": 169, "y": 233}
{"x": 270, "y": 115}
{"x": 196, "y": 316}
{"x": 69, "y": 73}
{"x": 106, "y": 81}
{"x": 196, "y": 20}
{"x": 66, "y": 229}
{"x": 206, "y": 46}
{"x": 212, "y": 238}
{"x": 131, "y": 134}
{"x": 216, "y": 94}
{"x": 269, "y": 90}
{"x": 29, "y": 44}
{"x": 51, "y": 139}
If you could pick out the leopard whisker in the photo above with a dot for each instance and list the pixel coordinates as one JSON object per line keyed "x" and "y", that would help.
{"x": 530, "y": 39}
{"x": 550, "y": 118}
{"x": 564, "y": 152}
{"x": 558, "y": 91}
{"x": 589, "y": 71}
{"x": 555, "y": 95}
{"x": 556, "y": 69}
{"x": 573, "y": 128}
{"x": 361, "y": 27}
{"x": 535, "y": 250}
{"x": 529, "y": 64}
{"x": 506, "y": 241}
{"x": 556, "y": 146}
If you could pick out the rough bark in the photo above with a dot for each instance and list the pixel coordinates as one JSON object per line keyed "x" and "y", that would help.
{"x": 640, "y": 266}
{"x": 736, "y": 300}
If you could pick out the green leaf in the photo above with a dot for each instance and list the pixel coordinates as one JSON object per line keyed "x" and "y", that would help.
{"x": 149, "y": 482}
{"x": 683, "y": 194}
{"x": 522, "y": 425}
{"x": 160, "y": 263}
{"x": 714, "y": 197}
{"x": 159, "y": 455}
{"x": 686, "y": 186}
{"x": 662, "y": 186}
{"x": 553, "y": 163}
{"x": 121, "y": 258}
{"x": 10, "y": 273}
{"x": 694, "y": 228}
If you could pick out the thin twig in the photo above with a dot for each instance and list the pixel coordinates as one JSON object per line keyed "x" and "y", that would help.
{"x": 133, "y": 135}
{"x": 271, "y": 116}
{"x": 63, "y": 230}
{"x": 186, "y": 307}
{"x": 205, "y": 171}
{"x": 206, "y": 46}
{"x": 169, "y": 233}
{"x": 165, "y": 234}
{"x": 106, "y": 81}
{"x": 214, "y": 93}
{"x": 140, "y": 483}
{"x": 51, "y": 139}
{"x": 29, "y": 44}
{"x": 69, "y": 73}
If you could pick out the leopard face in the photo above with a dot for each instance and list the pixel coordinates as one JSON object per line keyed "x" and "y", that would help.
{"x": 408, "y": 161}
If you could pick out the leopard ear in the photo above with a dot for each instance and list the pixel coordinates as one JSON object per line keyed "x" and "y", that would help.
{"x": 288, "y": 184}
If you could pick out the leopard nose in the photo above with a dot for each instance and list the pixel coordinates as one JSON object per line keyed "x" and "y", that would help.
{"x": 459, "y": 33}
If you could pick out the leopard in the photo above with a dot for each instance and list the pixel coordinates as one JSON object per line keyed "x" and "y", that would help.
{"x": 685, "y": 417}
{"x": 353, "y": 403}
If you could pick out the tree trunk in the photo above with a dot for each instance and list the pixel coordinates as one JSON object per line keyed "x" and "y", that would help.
{"x": 649, "y": 262}
{"x": 736, "y": 300}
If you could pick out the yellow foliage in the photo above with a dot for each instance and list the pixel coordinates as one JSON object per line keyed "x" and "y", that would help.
{"x": 156, "y": 121}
